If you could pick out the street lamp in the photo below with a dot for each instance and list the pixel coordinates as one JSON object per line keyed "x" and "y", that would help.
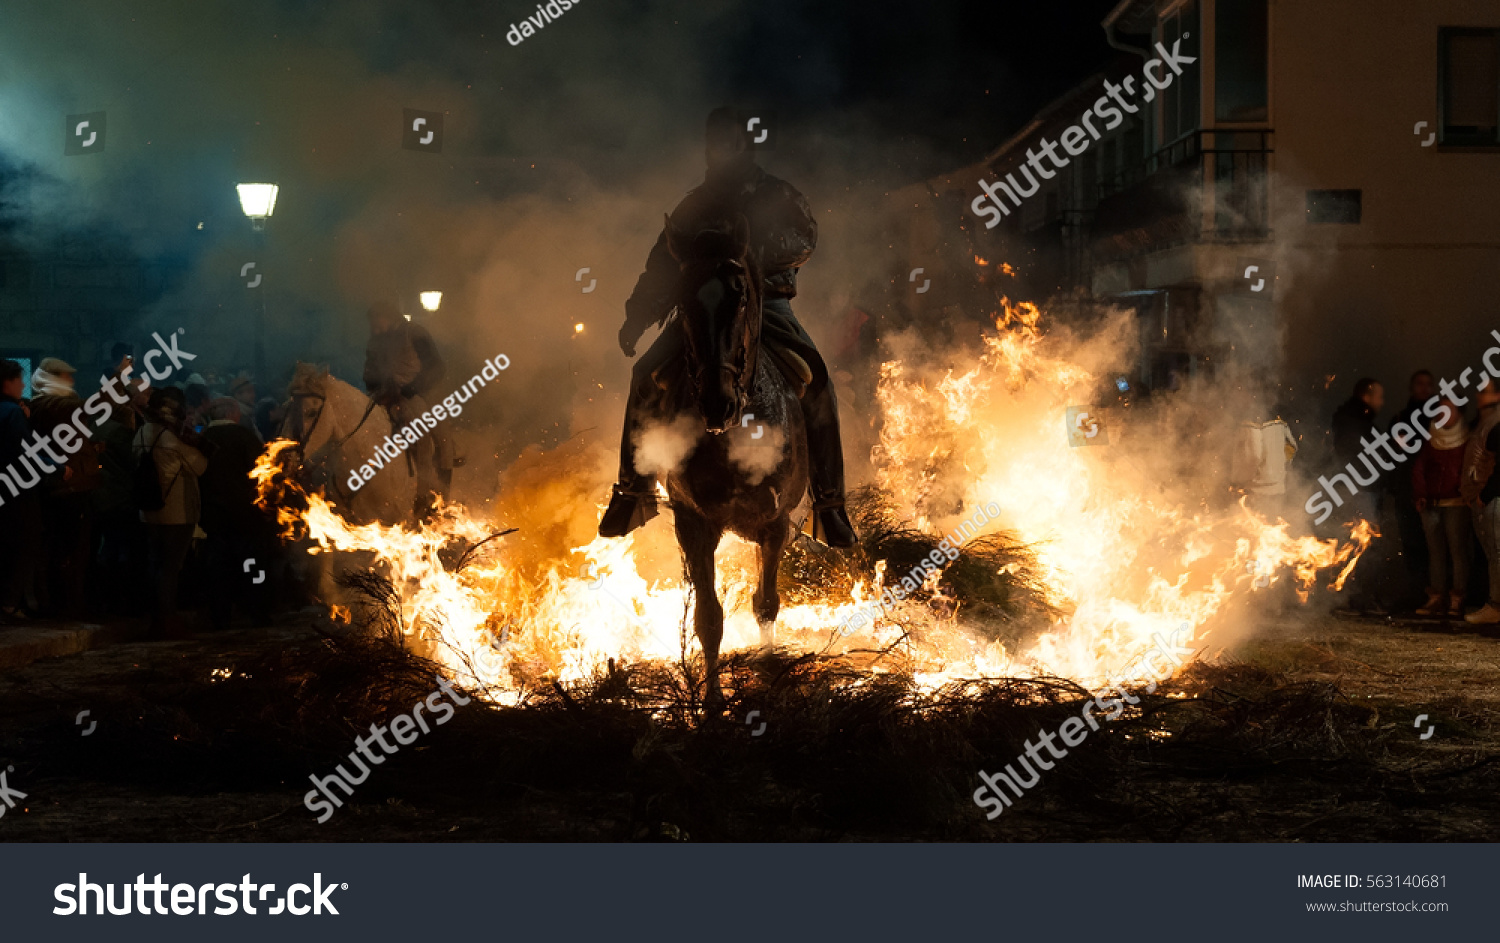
{"x": 258, "y": 201}
{"x": 430, "y": 300}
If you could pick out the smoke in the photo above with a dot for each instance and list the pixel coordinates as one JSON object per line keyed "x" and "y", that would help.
{"x": 558, "y": 156}
{"x": 756, "y": 457}
{"x": 662, "y": 446}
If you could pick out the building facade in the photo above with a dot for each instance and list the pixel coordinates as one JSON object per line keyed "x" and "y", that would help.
{"x": 1316, "y": 195}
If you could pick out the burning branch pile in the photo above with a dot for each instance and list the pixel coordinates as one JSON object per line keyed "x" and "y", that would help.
{"x": 1094, "y": 552}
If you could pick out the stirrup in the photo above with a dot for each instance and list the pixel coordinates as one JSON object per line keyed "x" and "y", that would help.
{"x": 642, "y": 509}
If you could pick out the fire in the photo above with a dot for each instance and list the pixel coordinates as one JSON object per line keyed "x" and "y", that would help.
{"x": 1119, "y": 556}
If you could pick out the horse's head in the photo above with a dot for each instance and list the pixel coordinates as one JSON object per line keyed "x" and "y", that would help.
{"x": 308, "y": 420}
{"x": 719, "y": 301}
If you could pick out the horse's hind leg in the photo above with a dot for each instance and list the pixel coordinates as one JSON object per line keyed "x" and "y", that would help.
{"x": 699, "y": 539}
{"x": 767, "y": 601}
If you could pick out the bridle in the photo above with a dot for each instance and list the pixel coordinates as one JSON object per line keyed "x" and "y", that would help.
{"x": 741, "y": 369}
{"x": 301, "y": 437}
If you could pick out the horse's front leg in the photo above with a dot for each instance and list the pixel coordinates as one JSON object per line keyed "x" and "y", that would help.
{"x": 698, "y": 539}
{"x": 767, "y": 601}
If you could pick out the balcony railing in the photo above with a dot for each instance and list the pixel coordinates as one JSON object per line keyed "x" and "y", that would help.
{"x": 1161, "y": 200}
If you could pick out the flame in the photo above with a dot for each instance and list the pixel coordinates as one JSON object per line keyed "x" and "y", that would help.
{"x": 1119, "y": 559}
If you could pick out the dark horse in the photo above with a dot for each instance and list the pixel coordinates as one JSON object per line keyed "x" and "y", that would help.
{"x": 730, "y": 385}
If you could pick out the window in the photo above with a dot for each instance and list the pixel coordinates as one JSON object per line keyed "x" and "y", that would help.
{"x": 26, "y": 369}
{"x": 1179, "y": 105}
{"x": 1333, "y": 206}
{"x": 1241, "y": 47}
{"x": 1469, "y": 86}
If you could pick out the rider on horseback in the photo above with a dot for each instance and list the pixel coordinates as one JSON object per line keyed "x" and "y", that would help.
{"x": 402, "y": 366}
{"x": 783, "y": 234}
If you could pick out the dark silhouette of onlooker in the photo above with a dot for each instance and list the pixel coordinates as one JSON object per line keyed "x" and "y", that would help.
{"x": 1353, "y": 426}
{"x": 1353, "y": 429}
{"x": 165, "y": 442}
{"x": 268, "y": 416}
{"x": 120, "y": 549}
{"x": 1409, "y": 523}
{"x": 242, "y": 390}
{"x": 237, "y": 531}
{"x": 20, "y": 512}
{"x": 67, "y": 508}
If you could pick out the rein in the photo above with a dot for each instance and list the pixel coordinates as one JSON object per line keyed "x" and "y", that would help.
{"x": 303, "y": 437}
{"x": 746, "y": 353}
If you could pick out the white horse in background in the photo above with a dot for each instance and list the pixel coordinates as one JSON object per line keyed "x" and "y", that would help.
{"x": 340, "y": 429}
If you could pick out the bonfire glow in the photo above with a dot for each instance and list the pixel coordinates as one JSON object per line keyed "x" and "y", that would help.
{"x": 1119, "y": 558}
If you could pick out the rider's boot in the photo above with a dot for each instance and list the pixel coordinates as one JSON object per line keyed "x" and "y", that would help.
{"x": 631, "y": 504}
{"x": 825, "y": 454}
{"x": 832, "y": 527}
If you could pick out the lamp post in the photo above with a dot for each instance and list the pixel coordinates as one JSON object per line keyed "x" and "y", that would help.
{"x": 258, "y": 201}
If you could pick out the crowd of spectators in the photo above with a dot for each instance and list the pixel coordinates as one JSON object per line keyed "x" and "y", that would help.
{"x": 155, "y": 511}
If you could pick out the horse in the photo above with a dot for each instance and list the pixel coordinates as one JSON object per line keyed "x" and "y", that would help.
{"x": 339, "y": 430}
{"x": 737, "y": 480}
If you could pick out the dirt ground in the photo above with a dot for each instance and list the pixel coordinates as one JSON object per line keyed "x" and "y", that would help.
{"x": 1307, "y": 733}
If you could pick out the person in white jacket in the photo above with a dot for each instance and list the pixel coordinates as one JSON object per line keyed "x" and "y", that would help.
{"x": 161, "y": 439}
{"x": 1263, "y": 450}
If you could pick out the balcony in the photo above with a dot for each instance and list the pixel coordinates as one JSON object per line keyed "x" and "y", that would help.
{"x": 1161, "y": 201}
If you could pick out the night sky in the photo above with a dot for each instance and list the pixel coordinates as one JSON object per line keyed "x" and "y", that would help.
{"x": 558, "y": 153}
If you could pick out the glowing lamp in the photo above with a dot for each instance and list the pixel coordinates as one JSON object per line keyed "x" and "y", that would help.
{"x": 258, "y": 200}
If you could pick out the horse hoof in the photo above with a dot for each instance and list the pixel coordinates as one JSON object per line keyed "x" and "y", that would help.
{"x": 713, "y": 703}
{"x": 767, "y": 636}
